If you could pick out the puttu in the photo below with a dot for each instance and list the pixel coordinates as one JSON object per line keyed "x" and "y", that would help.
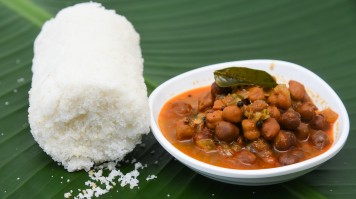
{"x": 88, "y": 101}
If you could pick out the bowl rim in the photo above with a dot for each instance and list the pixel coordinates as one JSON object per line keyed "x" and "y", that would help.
{"x": 255, "y": 173}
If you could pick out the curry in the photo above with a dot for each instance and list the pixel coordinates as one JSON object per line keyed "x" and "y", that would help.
{"x": 250, "y": 126}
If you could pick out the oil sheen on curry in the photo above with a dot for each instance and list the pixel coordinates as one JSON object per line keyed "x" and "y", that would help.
{"x": 245, "y": 120}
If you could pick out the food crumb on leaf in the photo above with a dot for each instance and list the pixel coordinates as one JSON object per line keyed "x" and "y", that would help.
{"x": 105, "y": 177}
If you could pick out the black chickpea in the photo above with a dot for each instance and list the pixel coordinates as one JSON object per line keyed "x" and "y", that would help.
{"x": 297, "y": 90}
{"x": 232, "y": 114}
{"x": 256, "y": 93}
{"x": 261, "y": 147}
{"x": 217, "y": 90}
{"x": 306, "y": 111}
{"x": 274, "y": 112}
{"x": 318, "y": 122}
{"x": 226, "y": 131}
{"x": 290, "y": 119}
{"x": 246, "y": 157}
{"x": 287, "y": 159}
{"x": 280, "y": 97}
{"x": 270, "y": 128}
{"x": 302, "y": 132}
{"x": 213, "y": 118}
{"x": 284, "y": 140}
{"x": 257, "y": 106}
{"x": 250, "y": 130}
{"x": 319, "y": 139}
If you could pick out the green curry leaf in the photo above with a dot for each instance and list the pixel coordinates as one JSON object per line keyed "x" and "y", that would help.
{"x": 241, "y": 76}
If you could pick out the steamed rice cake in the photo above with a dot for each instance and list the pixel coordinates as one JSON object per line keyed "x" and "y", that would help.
{"x": 88, "y": 101}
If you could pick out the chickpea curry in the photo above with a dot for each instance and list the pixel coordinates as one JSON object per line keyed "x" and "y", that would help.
{"x": 252, "y": 125}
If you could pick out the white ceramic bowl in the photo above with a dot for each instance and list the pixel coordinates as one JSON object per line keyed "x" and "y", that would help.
{"x": 322, "y": 94}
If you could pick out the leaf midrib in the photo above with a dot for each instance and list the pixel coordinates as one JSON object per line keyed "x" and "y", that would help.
{"x": 28, "y": 10}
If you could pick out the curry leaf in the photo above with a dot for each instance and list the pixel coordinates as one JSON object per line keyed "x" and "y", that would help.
{"x": 241, "y": 76}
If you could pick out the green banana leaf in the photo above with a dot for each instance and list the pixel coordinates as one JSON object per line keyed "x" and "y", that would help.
{"x": 177, "y": 36}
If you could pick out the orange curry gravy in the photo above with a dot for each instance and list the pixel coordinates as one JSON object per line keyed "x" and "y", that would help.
{"x": 168, "y": 121}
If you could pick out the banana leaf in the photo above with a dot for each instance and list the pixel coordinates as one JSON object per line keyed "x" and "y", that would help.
{"x": 177, "y": 36}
